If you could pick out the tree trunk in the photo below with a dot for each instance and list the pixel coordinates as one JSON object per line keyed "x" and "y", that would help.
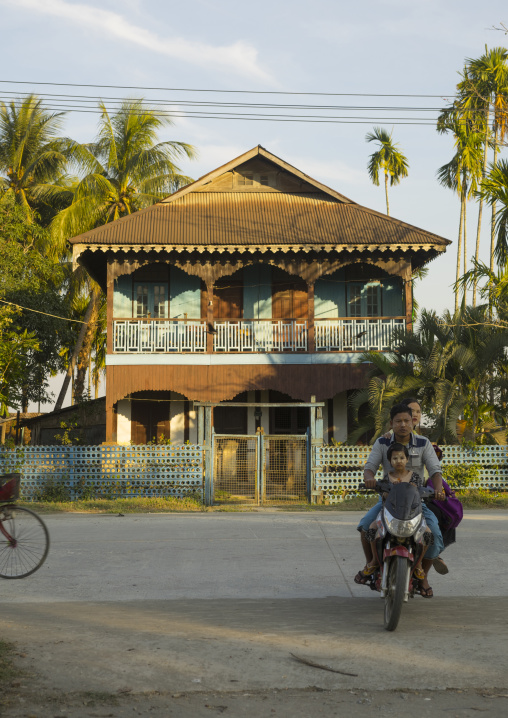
{"x": 464, "y": 234}
{"x": 493, "y": 218}
{"x": 86, "y": 349}
{"x": 77, "y": 349}
{"x": 386, "y": 194}
{"x": 459, "y": 256}
{"x": 480, "y": 206}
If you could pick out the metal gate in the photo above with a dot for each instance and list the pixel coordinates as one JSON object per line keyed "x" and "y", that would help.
{"x": 260, "y": 469}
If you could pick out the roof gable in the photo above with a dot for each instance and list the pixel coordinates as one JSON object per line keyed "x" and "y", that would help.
{"x": 257, "y": 162}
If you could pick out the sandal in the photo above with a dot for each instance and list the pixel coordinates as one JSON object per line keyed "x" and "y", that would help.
{"x": 419, "y": 573}
{"x": 440, "y": 566}
{"x": 364, "y": 576}
{"x": 426, "y": 592}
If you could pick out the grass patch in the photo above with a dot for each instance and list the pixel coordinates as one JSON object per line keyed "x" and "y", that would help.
{"x": 151, "y": 504}
{"x": 7, "y": 670}
{"x": 481, "y": 499}
{"x": 471, "y": 499}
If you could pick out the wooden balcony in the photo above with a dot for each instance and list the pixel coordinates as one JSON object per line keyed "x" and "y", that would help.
{"x": 132, "y": 336}
{"x": 268, "y": 335}
{"x": 356, "y": 335}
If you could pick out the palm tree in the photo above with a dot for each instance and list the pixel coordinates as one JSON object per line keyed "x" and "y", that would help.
{"x": 484, "y": 90}
{"x": 450, "y": 364}
{"x": 33, "y": 156}
{"x": 461, "y": 174}
{"x": 388, "y": 159}
{"x": 494, "y": 189}
{"x": 126, "y": 169}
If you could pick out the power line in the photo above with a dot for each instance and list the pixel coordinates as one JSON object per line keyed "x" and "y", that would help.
{"x": 354, "y": 119}
{"x": 245, "y": 92}
{"x": 68, "y": 98}
{"x": 55, "y": 316}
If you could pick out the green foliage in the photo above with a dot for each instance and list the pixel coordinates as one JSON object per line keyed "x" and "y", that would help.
{"x": 462, "y": 476}
{"x": 72, "y": 433}
{"x": 53, "y": 490}
{"x": 29, "y": 340}
{"x": 33, "y": 156}
{"x": 449, "y": 364}
{"x": 126, "y": 169}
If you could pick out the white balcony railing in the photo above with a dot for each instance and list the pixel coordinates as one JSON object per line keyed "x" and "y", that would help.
{"x": 270, "y": 335}
{"x": 356, "y": 335}
{"x": 158, "y": 335}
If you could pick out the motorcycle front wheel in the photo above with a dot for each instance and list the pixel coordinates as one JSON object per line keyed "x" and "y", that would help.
{"x": 395, "y": 591}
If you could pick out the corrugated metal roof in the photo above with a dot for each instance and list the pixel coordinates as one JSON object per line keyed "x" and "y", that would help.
{"x": 257, "y": 218}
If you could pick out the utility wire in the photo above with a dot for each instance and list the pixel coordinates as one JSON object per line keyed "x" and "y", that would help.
{"x": 244, "y": 92}
{"x": 55, "y": 316}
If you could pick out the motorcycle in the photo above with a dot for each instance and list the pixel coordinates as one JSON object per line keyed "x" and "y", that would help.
{"x": 400, "y": 538}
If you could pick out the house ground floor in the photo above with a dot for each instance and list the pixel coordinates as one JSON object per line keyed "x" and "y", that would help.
{"x": 151, "y": 416}
{"x": 149, "y": 402}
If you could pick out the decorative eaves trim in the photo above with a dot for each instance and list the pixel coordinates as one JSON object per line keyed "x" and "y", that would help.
{"x": 78, "y": 249}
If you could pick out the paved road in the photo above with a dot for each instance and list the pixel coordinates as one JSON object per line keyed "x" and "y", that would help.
{"x": 204, "y": 602}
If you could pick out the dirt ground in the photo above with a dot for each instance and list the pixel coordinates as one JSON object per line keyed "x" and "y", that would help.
{"x": 31, "y": 701}
{"x": 203, "y": 615}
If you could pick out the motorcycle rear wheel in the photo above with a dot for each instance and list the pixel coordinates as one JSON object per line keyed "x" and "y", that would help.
{"x": 396, "y": 589}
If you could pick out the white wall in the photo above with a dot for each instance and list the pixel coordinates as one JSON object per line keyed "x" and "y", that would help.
{"x": 340, "y": 416}
{"x": 177, "y": 418}
{"x": 123, "y": 430}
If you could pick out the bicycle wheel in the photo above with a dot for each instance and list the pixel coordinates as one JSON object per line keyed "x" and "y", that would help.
{"x": 24, "y": 542}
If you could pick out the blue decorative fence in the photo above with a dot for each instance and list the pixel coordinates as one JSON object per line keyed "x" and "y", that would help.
{"x": 107, "y": 471}
{"x": 123, "y": 471}
{"x": 339, "y": 469}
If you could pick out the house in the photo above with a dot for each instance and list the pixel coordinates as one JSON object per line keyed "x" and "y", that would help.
{"x": 81, "y": 424}
{"x": 254, "y": 284}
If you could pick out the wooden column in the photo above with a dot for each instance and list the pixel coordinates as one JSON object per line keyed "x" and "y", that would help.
{"x": 209, "y": 317}
{"x": 408, "y": 295}
{"x": 311, "y": 340}
{"x": 110, "y": 287}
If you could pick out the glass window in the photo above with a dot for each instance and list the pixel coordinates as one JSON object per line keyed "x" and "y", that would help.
{"x": 141, "y": 300}
{"x": 355, "y": 300}
{"x": 159, "y": 301}
{"x": 246, "y": 179}
{"x": 373, "y": 301}
{"x": 151, "y": 299}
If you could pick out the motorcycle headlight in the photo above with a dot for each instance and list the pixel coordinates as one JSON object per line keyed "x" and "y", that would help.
{"x": 403, "y": 529}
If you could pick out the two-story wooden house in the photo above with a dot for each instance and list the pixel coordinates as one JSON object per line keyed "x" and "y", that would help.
{"x": 256, "y": 283}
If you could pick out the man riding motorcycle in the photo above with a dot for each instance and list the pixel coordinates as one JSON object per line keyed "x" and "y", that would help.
{"x": 421, "y": 454}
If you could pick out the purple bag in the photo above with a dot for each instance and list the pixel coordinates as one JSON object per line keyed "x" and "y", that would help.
{"x": 451, "y": 508}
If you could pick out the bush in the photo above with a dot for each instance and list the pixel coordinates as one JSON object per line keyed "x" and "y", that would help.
{"x": 52, "y": 490}
{"x": 462, "y": 476}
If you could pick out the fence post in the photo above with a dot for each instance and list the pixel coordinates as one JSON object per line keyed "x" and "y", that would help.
{"x": 316, "y": 441}
{"x": 208, "y": 457}
{"x": 201, "y": 425}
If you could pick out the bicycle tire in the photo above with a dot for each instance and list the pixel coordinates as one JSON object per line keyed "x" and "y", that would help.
{"x": 26, "y": 547}
{"x": 395, "y": 591}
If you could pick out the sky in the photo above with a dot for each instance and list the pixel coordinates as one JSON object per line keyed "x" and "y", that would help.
{"x": 377, "y": 47}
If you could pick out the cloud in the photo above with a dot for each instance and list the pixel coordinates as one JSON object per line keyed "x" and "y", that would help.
{"x": 240, "y": 58}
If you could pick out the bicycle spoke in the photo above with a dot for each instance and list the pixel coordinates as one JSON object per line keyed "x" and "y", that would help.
{"x": 27, "y": 548}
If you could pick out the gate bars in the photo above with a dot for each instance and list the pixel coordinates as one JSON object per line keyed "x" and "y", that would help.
{"x": 314, "y": 439}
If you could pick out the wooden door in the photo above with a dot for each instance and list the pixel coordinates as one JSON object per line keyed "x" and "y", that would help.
{"x": 149, "y": 421}
{"x": 228, "y": 299}
{"x": 289, "y": 298}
